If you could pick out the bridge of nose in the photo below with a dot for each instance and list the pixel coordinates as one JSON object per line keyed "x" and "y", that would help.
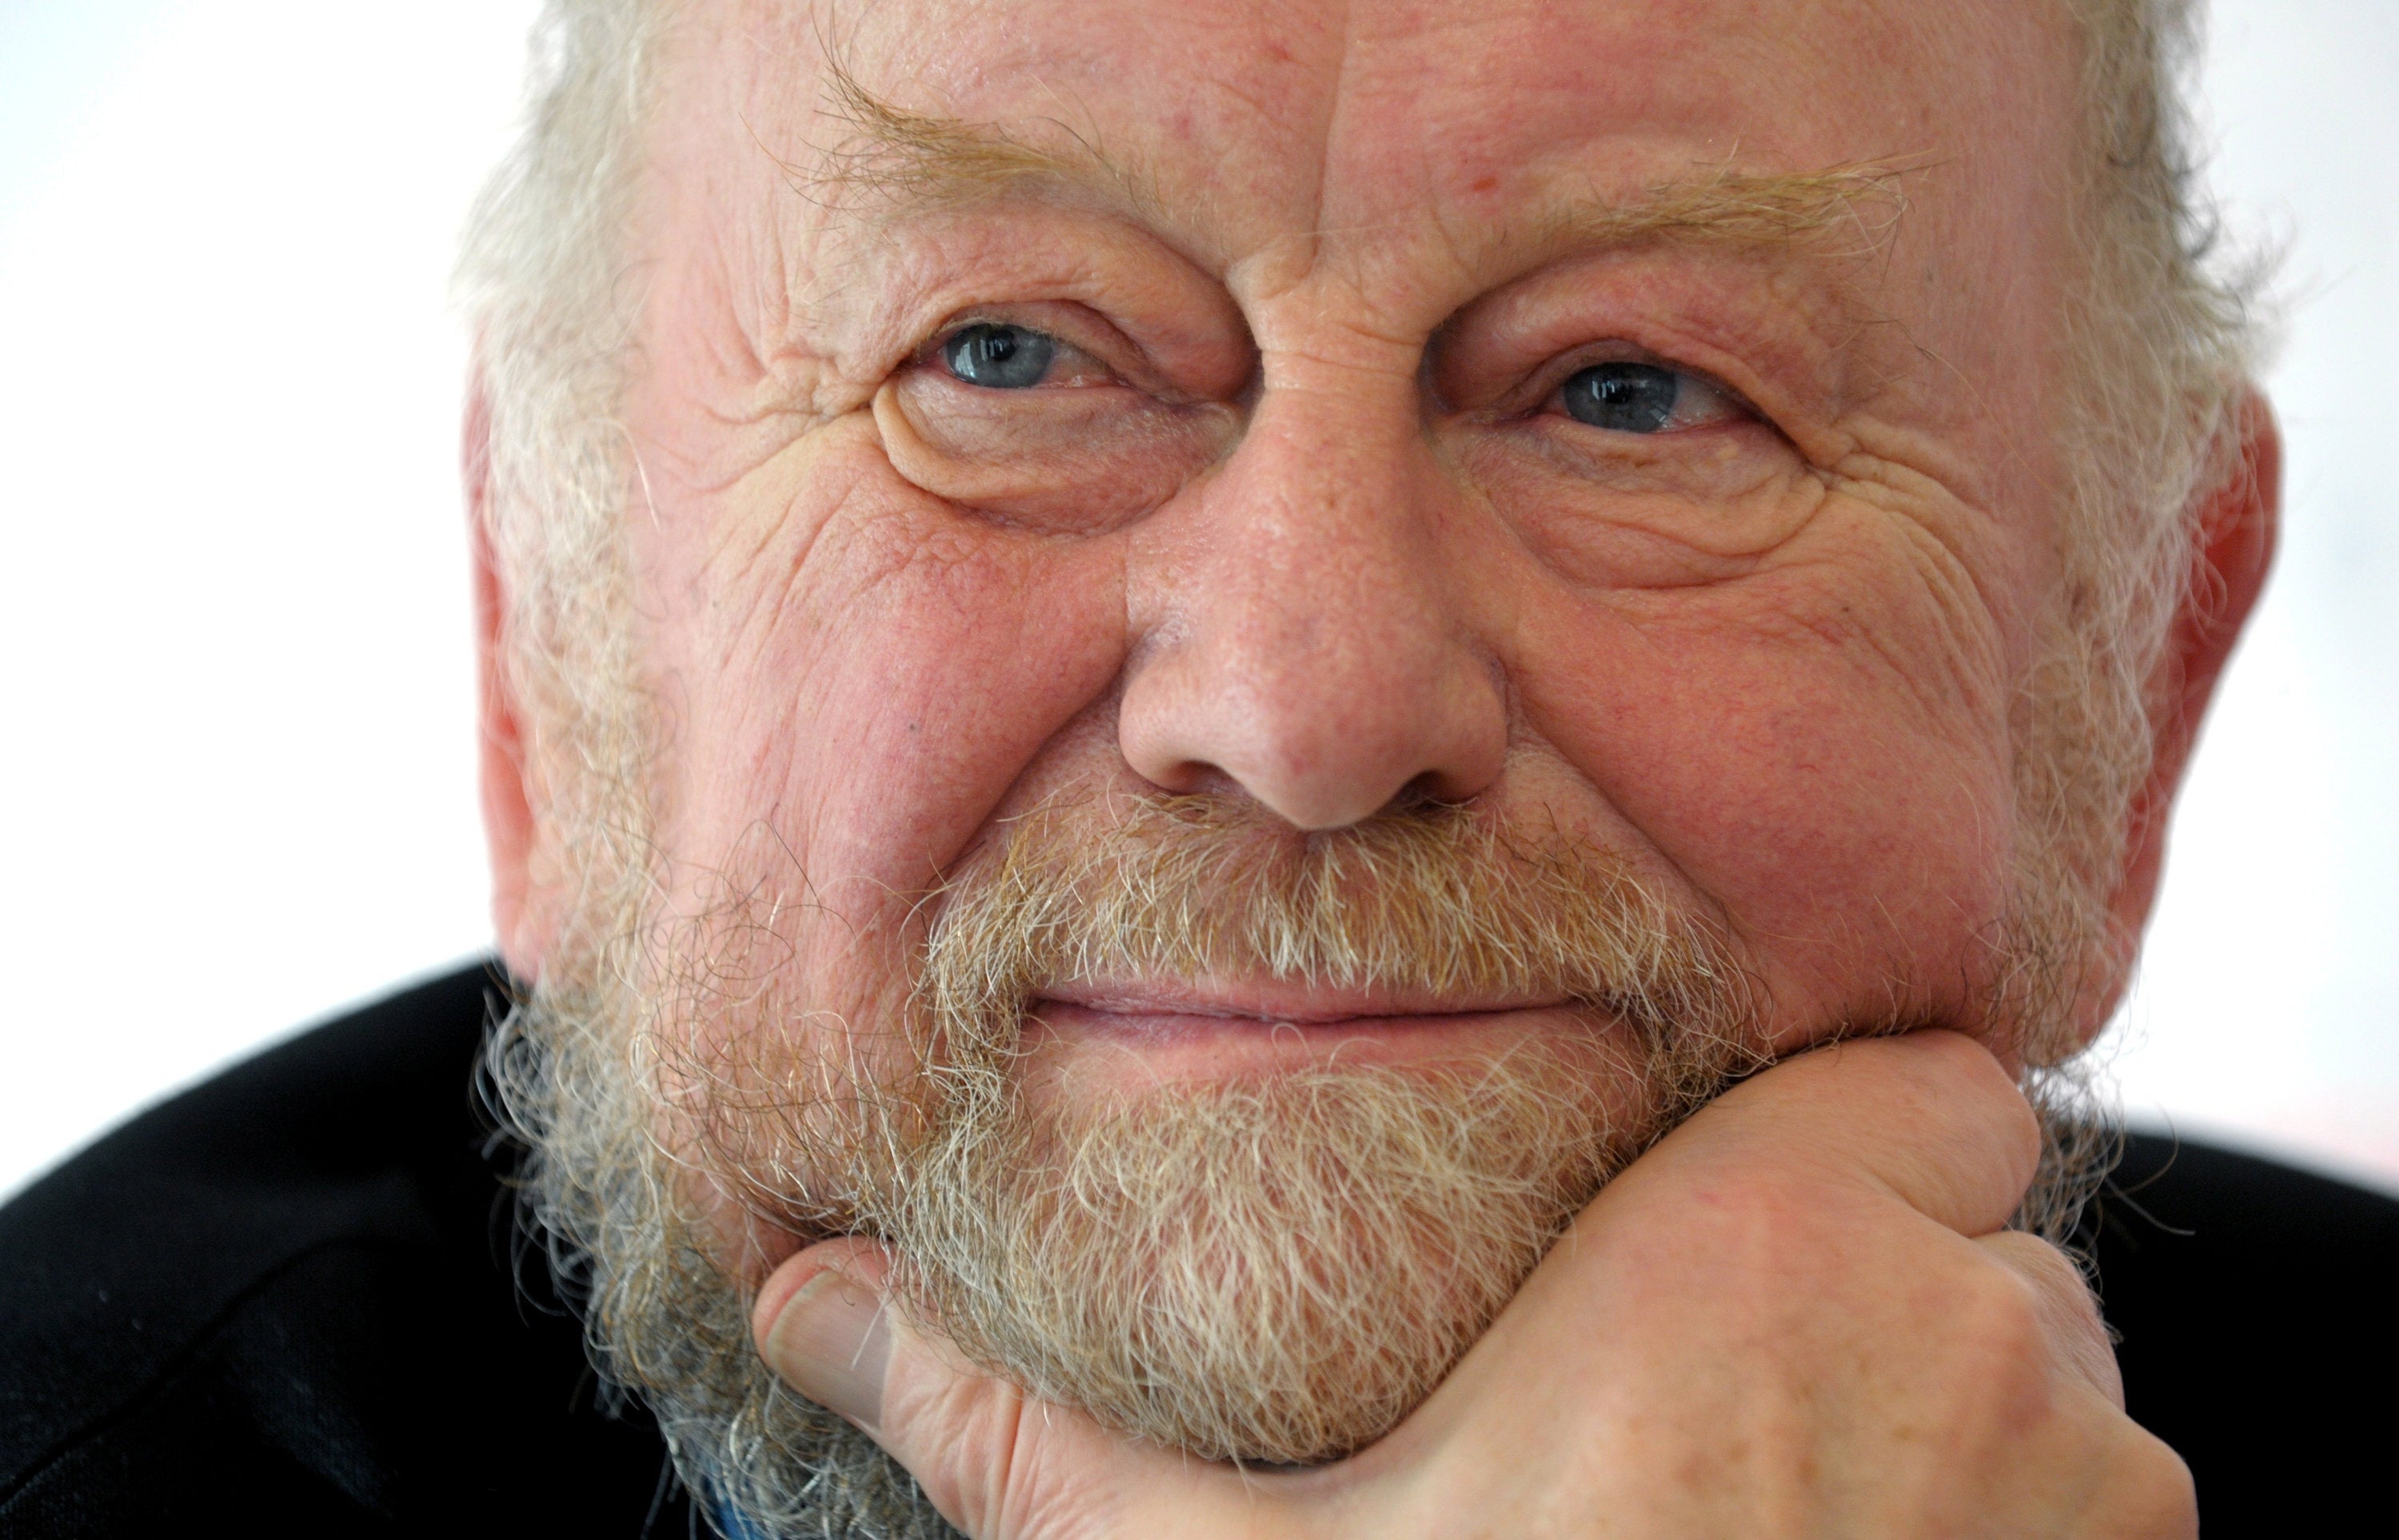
{"x": 1301, "y": 630}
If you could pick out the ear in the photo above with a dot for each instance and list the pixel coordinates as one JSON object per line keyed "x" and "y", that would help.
{"x": 511, "y": 831}
{"x": 2237, "y": 532}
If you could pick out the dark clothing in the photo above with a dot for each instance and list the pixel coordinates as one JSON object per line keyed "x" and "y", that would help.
{"x": 289, "y": 1303}
{"x": 293, "y": 1301}
{"x": 2254, "y": 1307}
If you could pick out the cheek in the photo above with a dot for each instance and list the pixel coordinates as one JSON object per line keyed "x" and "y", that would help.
{"x": 1822, "y": 753}
{"x": 861, "y": 673}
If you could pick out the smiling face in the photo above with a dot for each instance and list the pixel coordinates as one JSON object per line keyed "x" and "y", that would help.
{"x": 1191, "y": 563}
{"x": 1579, "y": 417}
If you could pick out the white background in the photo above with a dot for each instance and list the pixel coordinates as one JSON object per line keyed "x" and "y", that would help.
{"x": 235, "y": 780}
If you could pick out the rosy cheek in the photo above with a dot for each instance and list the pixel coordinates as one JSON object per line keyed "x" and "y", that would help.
{"x": 879, "y": 670}
{"x": 1847, "y": 822}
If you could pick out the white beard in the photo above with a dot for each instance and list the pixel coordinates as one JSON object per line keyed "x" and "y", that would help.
{"x": 1277, "y": 1270}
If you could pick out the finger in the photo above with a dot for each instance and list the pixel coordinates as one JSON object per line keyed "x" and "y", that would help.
{"x": 2068, "y": 1312}
{"x": 819, "y": 1323}
{"x": 1930, "y": 1118}
{"x": 995, "y": 1463}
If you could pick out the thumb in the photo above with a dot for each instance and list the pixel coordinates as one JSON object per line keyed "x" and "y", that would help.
{"x": 998, "y": 1465}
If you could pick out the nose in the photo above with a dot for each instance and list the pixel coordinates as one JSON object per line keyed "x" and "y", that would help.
{"x": 1303, "y": 625}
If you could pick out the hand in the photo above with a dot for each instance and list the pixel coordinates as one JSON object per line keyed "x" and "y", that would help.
{"x": 1798, "y": 1315}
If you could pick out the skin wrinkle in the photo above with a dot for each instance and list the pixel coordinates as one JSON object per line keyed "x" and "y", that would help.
{"x": 916, "y": 291}
{"x": 1789, "y": 347}
{"x": 1991, "y": 591}
{"x": 1901, "y": 661}
{"x": 944, "y": 163}
{"x": 725, "y": 562}
{"x": 1270, "y": 361}
{"x": 1344, "y": 31}
{"x": 911, "y": 674}
{"x": 907, "y": 163}
{"x": 1977, "y": 650}
{"x": 1654, "y": 516}
{"x": 1964, "y": 541}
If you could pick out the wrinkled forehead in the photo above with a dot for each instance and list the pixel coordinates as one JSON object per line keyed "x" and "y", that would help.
{"x": 1252, "y": 122}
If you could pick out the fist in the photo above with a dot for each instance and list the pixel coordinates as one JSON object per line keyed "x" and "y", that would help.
{"x": 1800, "y": 1313}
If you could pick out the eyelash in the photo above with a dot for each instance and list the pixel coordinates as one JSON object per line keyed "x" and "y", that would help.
{"x": 1614, "y": 395}
{"x": 1088, "y": 369}
{"x": 1646, "y": 397}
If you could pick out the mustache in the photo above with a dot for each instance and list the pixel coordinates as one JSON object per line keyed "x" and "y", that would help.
{"x": 1280, "y": 1269}
{"x": 1432, "y": 898}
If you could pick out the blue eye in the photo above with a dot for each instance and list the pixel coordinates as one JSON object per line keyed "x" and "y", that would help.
{"x": 1623, "y": 397}
{"x": 1000, "y": 357}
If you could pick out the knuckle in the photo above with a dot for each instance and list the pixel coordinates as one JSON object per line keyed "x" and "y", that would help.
{"x": 1964, "y": 1074}
{"x": 2152, "y": 1495}
{"x": 2068, "y": 1310}
{"x": 1999, "y": 1335}
{"x": 2043, "y": 1266}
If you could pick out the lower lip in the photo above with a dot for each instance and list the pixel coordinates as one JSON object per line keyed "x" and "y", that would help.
{"x": 1213, "y": 1045}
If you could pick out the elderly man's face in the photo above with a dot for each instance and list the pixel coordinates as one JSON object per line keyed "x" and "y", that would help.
{"x": 1628, "y": 431}
{"x": 1414, "y": 399}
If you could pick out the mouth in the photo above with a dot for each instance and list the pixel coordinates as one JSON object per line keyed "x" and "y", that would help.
{"x": 1279, "y": 1002}
{"x": 1212, "y": 1028}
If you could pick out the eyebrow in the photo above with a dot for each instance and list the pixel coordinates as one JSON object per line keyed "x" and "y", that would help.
{"x": 924, "y": 161}
{"x": 1723, "y": 207}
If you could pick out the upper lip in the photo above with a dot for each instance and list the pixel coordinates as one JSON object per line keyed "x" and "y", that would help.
{"x": 1295, "y": 1001}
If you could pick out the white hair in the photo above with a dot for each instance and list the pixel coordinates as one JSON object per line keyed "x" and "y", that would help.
{"x": 546, "y": 281}
{"x": 2163, "y": 334}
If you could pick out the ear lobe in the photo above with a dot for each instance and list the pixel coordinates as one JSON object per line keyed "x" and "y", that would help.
{"x": 2237, "y": 535}
{"x": 510, "y": 829}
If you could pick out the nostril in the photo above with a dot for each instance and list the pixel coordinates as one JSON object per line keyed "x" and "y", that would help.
{"x": 1324, "y": 726}
{"x": 1432, "y": 788}
{"x": 1196, "y": 778}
